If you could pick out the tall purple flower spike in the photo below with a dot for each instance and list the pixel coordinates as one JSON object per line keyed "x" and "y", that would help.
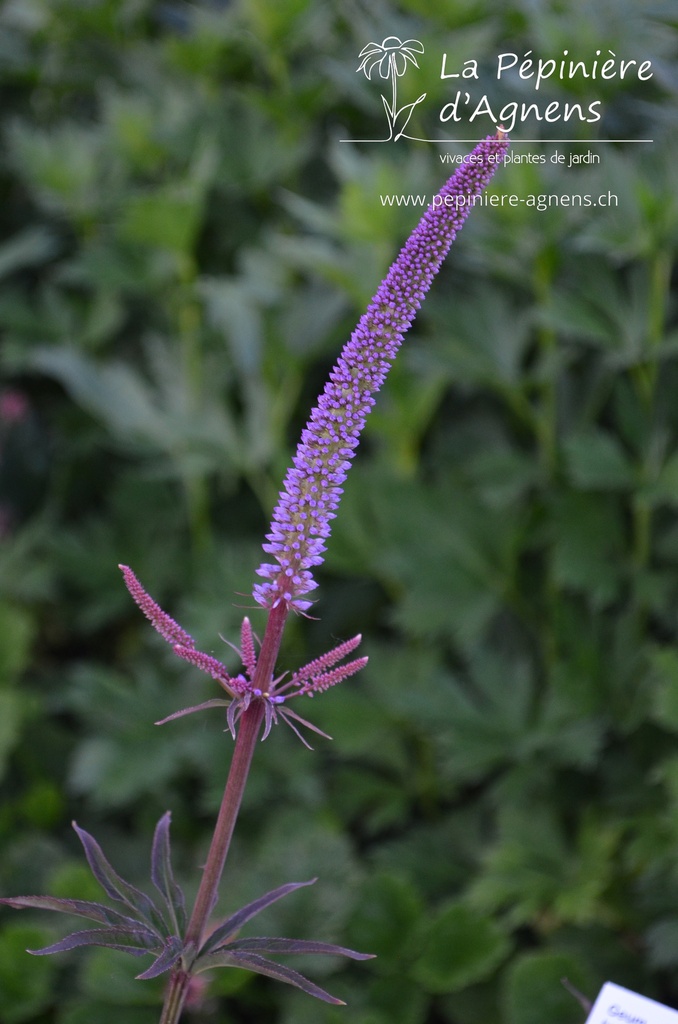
{"x": 313, "y": 485}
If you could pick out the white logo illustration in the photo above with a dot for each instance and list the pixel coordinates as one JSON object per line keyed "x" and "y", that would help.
{"x": 391, "y": 58}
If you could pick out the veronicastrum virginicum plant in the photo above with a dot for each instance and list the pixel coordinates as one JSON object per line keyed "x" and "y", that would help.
{"x": 183, "y": 945}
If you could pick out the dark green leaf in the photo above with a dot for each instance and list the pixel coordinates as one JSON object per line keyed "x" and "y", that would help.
{"x": 664, "y": 669}
{"x": 596, "y": 461}
{"x": 33, "y": 245}
{"x": 534, "y": 993}
{"x": 664, "y": 490}
{"x": 588, "y": 544}
{"x": 386, "y": 915}
{"x": 26, "y": 984}
{"x": 459, "y": 947}
{"x": 662, "y": 943}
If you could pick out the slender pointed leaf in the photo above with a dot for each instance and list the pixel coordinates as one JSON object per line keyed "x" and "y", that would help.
{"x": 237, "y": 920}
{"x": 268, "y": 720}
{"x": 260, "y": 965}
{"x": 286, "y": 719}
{"x": 174, "y": 947}
{"x": 162, "y": 875}
{"x": 79, "y": 908}
{"x": 116, "y": 887}
{"x": 281, "y": 945}
{"x": 230, "y": 717}
{"x": 303, "y": 721}
{"x": 215, "y": 702}
{"x": 130, "y": 940}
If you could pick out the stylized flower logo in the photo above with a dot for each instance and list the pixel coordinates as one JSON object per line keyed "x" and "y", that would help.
{"x": 391, "y": 57}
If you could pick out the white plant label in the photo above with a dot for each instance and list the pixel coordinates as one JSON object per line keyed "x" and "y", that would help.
{"x": 617, "y": 1005}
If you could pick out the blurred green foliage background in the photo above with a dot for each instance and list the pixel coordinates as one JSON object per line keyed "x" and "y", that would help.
{"x": 185, "y": 246}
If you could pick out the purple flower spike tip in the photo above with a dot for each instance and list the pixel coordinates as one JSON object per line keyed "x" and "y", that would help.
{"x": 162, "y": 622}
{"x": 313, "y": 485}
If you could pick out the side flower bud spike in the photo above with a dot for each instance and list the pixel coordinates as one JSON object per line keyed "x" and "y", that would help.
{"x": 315, "y": 677}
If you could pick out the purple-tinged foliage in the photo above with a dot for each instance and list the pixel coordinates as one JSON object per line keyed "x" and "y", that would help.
{"x": 229, "y": 928}
{"x": 78, "y": 908}
{"x": 313, "y": 485}
{"x": 254, "y": 961}
{"x": 146, "y": 929}
{"x": 142, "y": 928}
{"x": 162, "y": 876}
{"x": 135, "y": 941}
{"x": 115, "y": 887}
{"x": 222, "y": 949}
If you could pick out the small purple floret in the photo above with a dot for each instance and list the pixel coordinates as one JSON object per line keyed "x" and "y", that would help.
{"x": 313, "y": 485}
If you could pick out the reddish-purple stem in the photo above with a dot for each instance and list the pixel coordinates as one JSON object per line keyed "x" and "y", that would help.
{"x": 208, "y": 892}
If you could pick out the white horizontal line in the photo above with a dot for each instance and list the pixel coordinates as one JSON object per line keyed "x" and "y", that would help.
{"x": 582, "y": 142}
{"x": 514, "y": 142}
